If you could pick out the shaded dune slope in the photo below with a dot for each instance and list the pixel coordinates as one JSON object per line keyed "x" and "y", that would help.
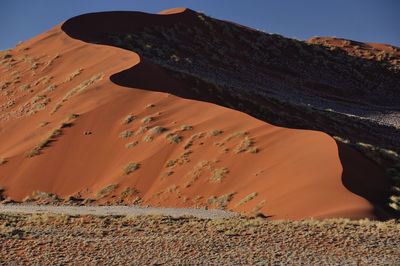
{"x": 213, "y": 156}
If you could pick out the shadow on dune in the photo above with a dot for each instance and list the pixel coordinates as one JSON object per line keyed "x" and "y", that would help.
{"x": 360, "y": 175}
{"x": 366, "y": 179}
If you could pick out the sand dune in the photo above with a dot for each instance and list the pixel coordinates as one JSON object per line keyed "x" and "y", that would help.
{"x": 201, "y": 154}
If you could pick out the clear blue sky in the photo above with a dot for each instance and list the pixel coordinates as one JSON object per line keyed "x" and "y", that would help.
{"x": 362, "y": 20}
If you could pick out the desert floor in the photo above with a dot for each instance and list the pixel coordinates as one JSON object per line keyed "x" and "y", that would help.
{"x": 155, "y": 239}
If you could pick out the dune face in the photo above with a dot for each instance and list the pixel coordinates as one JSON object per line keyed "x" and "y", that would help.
{"x": 135, "y": 140}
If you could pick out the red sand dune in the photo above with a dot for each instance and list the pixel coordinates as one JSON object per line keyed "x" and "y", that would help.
{"x": 295, "y": 173}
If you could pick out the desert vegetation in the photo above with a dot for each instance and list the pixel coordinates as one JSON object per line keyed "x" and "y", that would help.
{"x": 164, "y": 239}
{"x": 130, "y": 167}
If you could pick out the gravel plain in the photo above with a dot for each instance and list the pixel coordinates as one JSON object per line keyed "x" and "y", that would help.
{"x": 59, "y": 239}
{"x": 115, "y": 210}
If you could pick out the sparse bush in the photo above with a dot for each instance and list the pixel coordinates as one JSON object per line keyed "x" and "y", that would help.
{"x": 128, "y": 119}
{"x": 70, "y": 117}
{"x": 24, "y": 87}
{"x": 106, "y": 190}
{"x": 170, "y": 163}
{"x": 218, "y": 175}
{"x": 141, "y": 130}
{"x": 51, "y": 88}
{"x": 175, "y": 139}
{"x": 74, "y": 74}
{"x": 147, "y": 139}
{"x": 131, "y": 144}
{"x": 244, "y": 145}
{"x": 3, "y": 160}
{"x": 40, "y": 195}
{"x": 147, "y": 120}
{"x": 246, "y": 199}
{"x": 157, "y": 130}
{"x": 235, "y": 135}
{"x": 56, "y": 107}
{"x": 166, "y": 174}
{"x": 150, "y": 106}
{"x": 125, "y": 134}
{"x": 184, "y": 128}
{"x": 129, "y": 192}
{"x": 130, "y": 167}
{"x": 253, "y": 150}
{"x": 215, "y": 132}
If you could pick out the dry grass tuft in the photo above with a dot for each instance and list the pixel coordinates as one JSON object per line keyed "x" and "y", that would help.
{"x": 73, "y": 75}
{"x": 70, "y": 117}
{"x": 236, "y": 135}
{"x": 157, "y": 130}
{"x": 190, "y": 141}
{"x": 218, "y": 175}
{"x": 246, "y": 199}
{"x": 128, "y": 119}
{"x": 256, "y": 210}
{"x": 51, "y": 88}
{"x": 172, "y": 188}
{"x": 170, "y": 163}
{"x": 130, "y": 167}
{"x": 131, "y": 144}
{"x": 174, "y": 139}
{"x": 129, "y": 192}
{"x": 243, "y": 145}
{"x": 147, "y": 119}
{"x": 184, "y": 128}
{"x": 56, "y": 107}
{"x": 147, "y": 139}
{"x": 166, "y": 174}
{"x": 40, "y": 195}
{"x": 3, "y": 161}
{"x": 141, "y": 130}
{"x": 106, "y": 190}
{"x": 125, "y": 134}
{"x": 215, "y": 132}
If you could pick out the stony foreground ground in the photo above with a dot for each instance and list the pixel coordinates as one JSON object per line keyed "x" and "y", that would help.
{"x": 88, "y": 239}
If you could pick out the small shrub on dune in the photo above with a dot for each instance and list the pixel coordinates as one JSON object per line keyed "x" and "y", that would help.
{"x": 106, "y": 190}
{"x": 184, "y": 128}
{"x": 166, "y": 174}
{"x": 150, "y": 106}
{"x": 74, "y": 74}
{"x": 70, "y": 117}
{"x": 3, "y": 160}
{"x": 131, "y": 144}
{"x": 157, "y": 130}
{"x": 125, "y": 134}
{"x": 51, "y": 88}
{"x": 141, "y": 130}
{"x": 58, "y": 106}
{"x": 244, "y": 145}
{"x": 36, "y": 149}
{"x": 147, "y": 120}
{"x": 130, "y": 167}
{"x": 147, "y": 139}
{"x": 215, "y": 132}
{"x": 174, "y": 139}
{"x": 246, "y": 199}
{"x": 128, "y": 119}
{"x": 170, "y": 163}
{"x": 129, "y": 192}
{"x": 40, "y": 195}
{"x": 24, "y": 87}
{"x": 218, "y": 175}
